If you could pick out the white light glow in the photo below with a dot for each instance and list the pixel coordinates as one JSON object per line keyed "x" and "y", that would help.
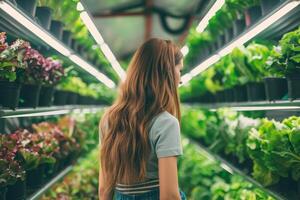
{"x": 185, "y": 79}
{"x": 91, "y": 27}
{"x": 94, "y": 72}
{"x": 104, "y": 47}
{"x": 259, "y": 28}
{"x": 79, "y": 7}
{"x": 184, "y": 50}
{"x": 113, "y": 61}
{"x": 256, "y": 108}
{"x": 212, "y": 11}
{"x": 35, "y": 29}
{"x": 204, "y": 65}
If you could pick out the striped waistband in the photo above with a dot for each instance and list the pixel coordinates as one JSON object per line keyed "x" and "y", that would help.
{"x": 138, "y": 188}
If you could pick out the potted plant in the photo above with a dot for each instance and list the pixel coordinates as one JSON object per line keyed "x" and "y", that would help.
{"x": 44, "y": 13}
{"x": 268, "y": 5}
{"x": 11, "y": 63}
{"x": 32, "y": 78}
{"x": 12, "y": 175}
{"x": 29, "y": 6}
{"x": 256, "y": 58}
{"x": 285, "y": 60}
{"x": 52, "y": 75}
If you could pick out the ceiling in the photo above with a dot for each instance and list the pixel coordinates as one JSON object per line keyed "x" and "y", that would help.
{"x": 126, "y": 24}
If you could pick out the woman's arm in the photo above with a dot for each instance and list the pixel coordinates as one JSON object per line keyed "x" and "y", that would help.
{"x": 103, "y": 195}
{"x": 168, "y": 178}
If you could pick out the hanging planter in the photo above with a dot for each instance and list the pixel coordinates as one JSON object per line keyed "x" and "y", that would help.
{"x": 3, "y": 191}
{"x": 29, "y": 6}
{"x": 238, "y": 27}
{"x": 229, "y": 95}
{"x": 9, "y": 95}
{"x": 44, "y": 16}
{"x": 60, "y": 98}
{"x": 46, "y": 96}
{"x": 252, "y": 15}
{"x": 72, "y": 98}
{"x": 268, "y": 5}
{"x": 293, "y": 87}
{"x": 276, "y": 88}
{"x": 29, "y": 95}
{"x": 34, "y": 179}
{"x": 16, "y": 191}
{"x": 56, "y": 28}
{"x": 240, "y": 93}
{"x": 66, "y": 38}
{"x": 228, "y": 35}
{"x": 256, "y": 91}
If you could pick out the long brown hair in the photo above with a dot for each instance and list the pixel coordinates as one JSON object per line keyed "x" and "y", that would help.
{"x": 149, "y": 89}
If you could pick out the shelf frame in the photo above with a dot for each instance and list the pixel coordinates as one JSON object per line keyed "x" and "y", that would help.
{"x": 39, "y": 193}
{"x": 252, "y": 106}
{"x": 48, "y": 111}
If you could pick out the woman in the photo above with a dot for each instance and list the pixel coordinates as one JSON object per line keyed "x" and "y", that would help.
{"x": 140, "y": 138}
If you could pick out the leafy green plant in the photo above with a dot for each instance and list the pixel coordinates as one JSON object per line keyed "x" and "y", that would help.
{"x": 285, "y": 58}
{"x": 11, "y": 58}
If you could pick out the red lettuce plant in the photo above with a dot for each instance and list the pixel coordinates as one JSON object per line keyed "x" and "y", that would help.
{"x": 53, "y": 71}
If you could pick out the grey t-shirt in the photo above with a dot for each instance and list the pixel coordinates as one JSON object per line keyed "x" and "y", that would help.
{"x": 164, "y": 139}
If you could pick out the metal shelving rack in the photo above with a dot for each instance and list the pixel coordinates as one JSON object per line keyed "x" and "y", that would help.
{"x": 57, "y": 178}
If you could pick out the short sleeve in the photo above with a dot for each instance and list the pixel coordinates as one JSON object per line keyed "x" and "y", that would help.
{"x": 167, "y": 136}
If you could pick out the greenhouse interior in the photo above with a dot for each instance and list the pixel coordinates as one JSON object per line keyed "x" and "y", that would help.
{"x": 62, "y": 62}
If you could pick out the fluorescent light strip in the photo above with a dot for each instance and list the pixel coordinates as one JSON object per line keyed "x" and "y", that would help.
{"x": 58, "y": 112}
{"x": 35, "y": 29}
{"x": 212, "y": 11}
{"x": 98, "y": 38}
{"x": 268, "y": 21}
{"x": 98, "y": 75}
{"x": 185, "y": 50}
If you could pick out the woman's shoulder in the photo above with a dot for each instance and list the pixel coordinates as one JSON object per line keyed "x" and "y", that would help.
{"x": 164, "y": 118}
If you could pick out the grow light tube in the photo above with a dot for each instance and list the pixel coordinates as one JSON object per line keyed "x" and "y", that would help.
{"x": 264, "y": 24}
{"x": 212, "y": 11}
{"x": 87, "y": 20}
{"x": 98, "y": 75}
{"x": 34, "y": 28}
{"x": 47, "y": 113}
{"x": 262, "y": 108}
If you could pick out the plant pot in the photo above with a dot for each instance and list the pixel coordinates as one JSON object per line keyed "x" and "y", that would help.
{"x": 228, "y": 35}
{"x": 293, "y": 87}
{"x": 29, "y": 95}
{"x": 220, "y": 96}
{"x": 34, "y": 179}
{"x": 13, "y": 2}
{"x": 276, "y": 88}
{"x": 240, "y": 93}
{"x": 221, "y": 41}
{"x": 9, "y": 95}
{"x": 29, "y": 6}
{"x": 229, "y": 95}
{"x": 252, "y": 15}
{"x": 74, "y": 44}
{"x": 56, "y": 28}
{"x": 72, "y": 98}
{"x": 268, "y": 5}
{"x": 43, "y": 14}
{"x": 238, "y": 27}
{"x": 46, "y": 96}
{"x": 3, "y": 191}
{"x": 256, "y": 91}
{"x": 16, "y": 191}
{"x": 66, "y": 38}
{"x": 60, "y": 98}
